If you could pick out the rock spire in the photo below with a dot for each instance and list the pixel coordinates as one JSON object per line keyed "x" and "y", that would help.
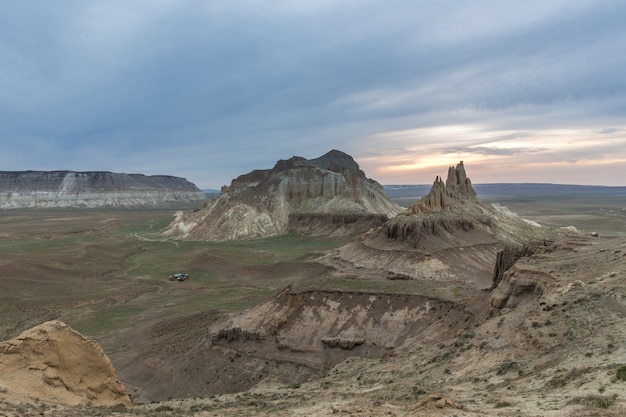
{"x": 456, "y": 191}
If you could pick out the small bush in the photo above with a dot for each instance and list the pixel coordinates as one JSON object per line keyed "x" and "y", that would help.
{"x": 502, "y": 404}
{"x": 621, "y": 373}
{"x": 599, "y": 401}
{"x": 507, "y": 366}
{"x": 469, "y": 334}
{"x": 164, "y": 408}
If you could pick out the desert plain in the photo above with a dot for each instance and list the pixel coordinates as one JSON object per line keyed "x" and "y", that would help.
{"x": 104, "y": 272}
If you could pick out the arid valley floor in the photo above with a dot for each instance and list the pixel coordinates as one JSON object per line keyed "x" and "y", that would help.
{"x": 105, "y": 272}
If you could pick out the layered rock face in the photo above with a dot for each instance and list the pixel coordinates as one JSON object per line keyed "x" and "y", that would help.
{"x": 448, "y": 235}
{"x": 455, "y": 194}
{"x": 301, "y": 333}
{"x": 269, "y": 202}
{"x": 43, "y": 189}
{"x": 52, "y": 363}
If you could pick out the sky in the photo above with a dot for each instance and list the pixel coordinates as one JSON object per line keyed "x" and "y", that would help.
{"x": 521, "y": 91}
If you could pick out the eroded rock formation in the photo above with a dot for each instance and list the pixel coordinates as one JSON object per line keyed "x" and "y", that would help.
{"x": 456, "y": 192}
{"x": 44, "y": 189}
{"x": 508, "y": 256}
{"x": 269, "y": 202}
{"x": 512, "y": 282}
{"x": 301, "y": 332}
{"x": 55, "y": 364}
{"x": 448, "y": 235}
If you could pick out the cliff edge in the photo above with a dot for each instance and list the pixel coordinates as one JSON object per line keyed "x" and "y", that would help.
{"x": 44, "y": 189}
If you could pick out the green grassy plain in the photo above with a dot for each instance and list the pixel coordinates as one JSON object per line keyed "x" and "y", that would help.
{"x": 101, "y": 270}
{"x": 104, "y": 269}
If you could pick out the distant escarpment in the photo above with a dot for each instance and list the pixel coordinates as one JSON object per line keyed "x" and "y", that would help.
{"x": 44, "y": 189}
{"x": 448, "y": 235}
{"x": 328, "y": 195}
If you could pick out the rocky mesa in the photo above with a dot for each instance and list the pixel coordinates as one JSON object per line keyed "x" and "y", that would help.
{"x": 329, "y": 195}
{"x": 45, "y": 189}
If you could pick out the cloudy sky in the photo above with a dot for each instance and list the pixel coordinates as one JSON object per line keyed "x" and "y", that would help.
{"x": 522, "y": 91}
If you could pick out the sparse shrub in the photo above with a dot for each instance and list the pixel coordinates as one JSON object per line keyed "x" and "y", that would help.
{"x": 605, "y": 402}
{"x": 621, "y": 373}
{"x": 469, "y": 334}
{"x": 588, "y": 354}
{"x": 600, "y": 401}
{"x": 507, "y": 367}
{"x": 164, "y": 408}
{"x": 502, "y": 404}
{"x": 467, "y": 347}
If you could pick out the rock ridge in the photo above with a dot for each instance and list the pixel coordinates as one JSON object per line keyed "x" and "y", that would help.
{"x": 301, "y": 332}
{"x": 43, "y": 189}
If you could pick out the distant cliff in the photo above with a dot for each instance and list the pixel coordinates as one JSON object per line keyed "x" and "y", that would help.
{"x": 44, "y": 189}
{"x": 326, "y": 195}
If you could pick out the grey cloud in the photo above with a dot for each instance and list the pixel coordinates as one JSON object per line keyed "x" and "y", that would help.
{"x": 298, "y": 78}
{"x": 483, "y": 150}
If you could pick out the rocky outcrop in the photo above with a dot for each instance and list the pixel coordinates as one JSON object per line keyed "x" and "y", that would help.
{"x": 43, "y": 189}
{"x": 508, "y": 256}
{"x": 273, "y": 201}
{"x": 511, "y": 284}
{"x": 451, "y": 196}
{"x": 412, "y": 230}
{"x": 334, "y": 224}
{"x": 54, "y": 364}
{"x": 301, "y": 332}
{"x": 448, "y": 235}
